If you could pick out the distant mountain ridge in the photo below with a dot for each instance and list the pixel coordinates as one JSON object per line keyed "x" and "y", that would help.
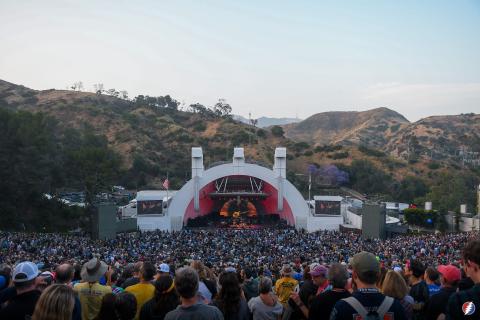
{"x": 434, "y": 138}
{"x": 372, "y": 127}
{"x": 264, "y": 122}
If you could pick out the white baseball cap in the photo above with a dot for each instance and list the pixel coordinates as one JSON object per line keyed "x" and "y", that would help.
{"x": 164, "y": 268}
{"x": 25, "y": 271}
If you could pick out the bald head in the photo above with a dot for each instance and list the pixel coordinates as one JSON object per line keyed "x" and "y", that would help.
{"x": 64, "y": 273}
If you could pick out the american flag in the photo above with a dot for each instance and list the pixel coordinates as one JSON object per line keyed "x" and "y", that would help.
{"x": 166, "y": 184}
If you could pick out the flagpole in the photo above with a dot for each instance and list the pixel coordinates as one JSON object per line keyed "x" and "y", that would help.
{"x": 168, "y": 186}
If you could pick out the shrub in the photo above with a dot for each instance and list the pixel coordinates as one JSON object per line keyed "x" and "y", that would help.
{"x": 199, "y": 126}
{"x": 261, "y": 133}
{"x": 340, "y": 155}
{"x": 277, "y": 131}
{"x": 433, "y": 165}
{"x": 371, "y": 152}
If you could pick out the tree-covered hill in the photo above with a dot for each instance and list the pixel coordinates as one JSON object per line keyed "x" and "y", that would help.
{"x": 63, "y": 139}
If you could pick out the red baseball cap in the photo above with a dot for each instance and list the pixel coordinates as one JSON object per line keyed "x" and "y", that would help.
{"x": 450, "y": 273}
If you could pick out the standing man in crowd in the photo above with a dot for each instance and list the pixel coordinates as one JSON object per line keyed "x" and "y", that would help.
{"x": 466, "y": 304}
{"x": 286, "y": 285}
{"x": 437, "y": 304}
{"x": 64, "y": 275}
{"x": 186, "y": 283}
{"x": 144, "y": 290}
{"x": 323, "y": 304}
{"x": 367, "y": 300}
{"x": 91, "y": 292}
{"x": 25, "y": 279}
{"x": 136, "y": 276}
{"x": 250, "y": 284}
{"x": 418, "y": 288}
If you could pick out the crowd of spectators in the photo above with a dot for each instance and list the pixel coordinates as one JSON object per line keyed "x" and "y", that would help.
{"x": 272, "y": 273}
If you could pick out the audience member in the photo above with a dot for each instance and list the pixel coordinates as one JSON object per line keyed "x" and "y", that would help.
{"x": 395, "y": 286}
{"x": 266, "y": 306}
{"x": 418, "y": 288}
{"x": 466, "y": 304}
{"x": 437, "y": 304}
{"x": 125, "y": 306}
{"x": 432, "y": 279}
{"x": 144, "y": 290}
{"x": 186, "y": 283}
{"x": 230, "y": 300}
{"x": 91, "y": 292}
{"x": 322, "y": 305}
{"x": 22, "y": 304}
{"x": 165, "y": 300}
{"x": 286, "y": 285}
{"x": 367, "y": 299}
{"x": 56, "y": 303}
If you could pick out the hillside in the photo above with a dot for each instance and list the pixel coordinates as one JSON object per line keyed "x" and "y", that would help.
{"x": 152, "y": 139}
{"x": 372, "y": 128}
{"x": 455, "y": 138}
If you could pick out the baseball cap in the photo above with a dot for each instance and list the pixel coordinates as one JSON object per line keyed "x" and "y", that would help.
{"x": 319, "y": 270}
{"x": 397, "y": 269}
{"x": 313, "y": 265}
{"x": 450, "y": 273}
{"x": 164, "y": 268}
{"x": 25, "y": 271}
{"x": 365, "y": 262}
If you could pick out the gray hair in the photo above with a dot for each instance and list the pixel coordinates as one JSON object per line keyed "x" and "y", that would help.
{"x": 338, "y": 275}
{"x": 186, "y": 282}
{"x": 265, "y": 285}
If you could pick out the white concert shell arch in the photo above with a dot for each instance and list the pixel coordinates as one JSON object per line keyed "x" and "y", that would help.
{"x": 296, "y": 206}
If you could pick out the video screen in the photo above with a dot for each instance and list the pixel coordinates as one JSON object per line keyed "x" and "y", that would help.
{"x": 327, "y": 207}
{"x": 150, "y": 207}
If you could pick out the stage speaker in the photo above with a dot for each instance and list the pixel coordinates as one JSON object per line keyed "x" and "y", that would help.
{"x": 104, "y": 221}
{"x": 373, "y": 221}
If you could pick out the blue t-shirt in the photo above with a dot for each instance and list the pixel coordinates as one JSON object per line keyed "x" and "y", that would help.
{"x": 433, "y": 288}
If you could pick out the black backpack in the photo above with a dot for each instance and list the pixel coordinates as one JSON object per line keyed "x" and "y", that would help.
{"x": 360, "y": 309}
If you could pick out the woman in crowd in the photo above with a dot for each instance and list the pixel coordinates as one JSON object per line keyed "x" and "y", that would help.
{"x": 165, "y": 300}
{"x": 395, "y": 286}
{"x": 207, "y": 288}
{"x": 55, "y": 303}
{"x": 230, "y": 298}
{"x": 107, "y": 308}
{"x": 125, "y": 306}
{"x": 266, "y": 305}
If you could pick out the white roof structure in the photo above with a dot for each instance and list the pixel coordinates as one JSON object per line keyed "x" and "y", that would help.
{"x": 328, "y": 198}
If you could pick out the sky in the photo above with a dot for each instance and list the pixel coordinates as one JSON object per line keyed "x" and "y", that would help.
{"x": 270, "y": 58}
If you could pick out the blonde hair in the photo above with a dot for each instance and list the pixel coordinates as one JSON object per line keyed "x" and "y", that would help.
{"x": 200, "y": 268}
{"x": 394, "y": 285}
{"x": 55, "y": 303}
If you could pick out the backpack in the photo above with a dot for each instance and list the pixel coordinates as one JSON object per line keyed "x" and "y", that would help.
{"x": 360, "y": 309}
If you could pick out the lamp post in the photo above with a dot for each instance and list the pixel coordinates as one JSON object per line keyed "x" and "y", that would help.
{"x": 309, "y": 185}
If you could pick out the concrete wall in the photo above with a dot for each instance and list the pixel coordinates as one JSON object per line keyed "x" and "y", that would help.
{"x": 354, "y": 219}
{"x": 324, "y": 223}
{"x": 152, "y": 223}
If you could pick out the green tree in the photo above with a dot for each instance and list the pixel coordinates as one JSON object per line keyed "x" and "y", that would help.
{"x": 449, "y": 191}
{"x": 410, "y": 188}
{"x": 222, "y": 108}
{"x": 277, "y": 131}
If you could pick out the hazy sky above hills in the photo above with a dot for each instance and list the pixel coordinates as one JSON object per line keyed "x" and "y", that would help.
{"x": 273, "y": 58}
